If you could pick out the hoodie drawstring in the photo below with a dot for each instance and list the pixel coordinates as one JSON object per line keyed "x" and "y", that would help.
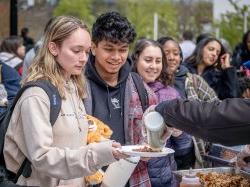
{"x": 108, "y": 101}
{"x": 121, "y": 103}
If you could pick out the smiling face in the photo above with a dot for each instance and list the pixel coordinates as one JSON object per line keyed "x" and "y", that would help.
{"x": 211, "y": 52}
{"x": 109, "y": 57}
{"x": 172, "y": 53}
{"x": 149, "y": 64}
{"x": 73, "y": 53}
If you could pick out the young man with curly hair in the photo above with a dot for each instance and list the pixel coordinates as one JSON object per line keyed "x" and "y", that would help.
{"x": 113, "y": 97}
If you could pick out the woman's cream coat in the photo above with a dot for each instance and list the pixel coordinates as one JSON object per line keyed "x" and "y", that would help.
{"x": 59, "y": 155}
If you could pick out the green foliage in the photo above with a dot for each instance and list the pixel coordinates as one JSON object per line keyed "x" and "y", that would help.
{"x": 193, "y": 15}
{"x": 101, "y": 6}
{"x": 141, "y": 15}
{"x": 202, "y": 14}
{"x": 232, "y": 23}
{"x": 77, "y": 8}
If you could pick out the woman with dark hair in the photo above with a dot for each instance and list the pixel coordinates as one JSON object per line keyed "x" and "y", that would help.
{"x": 192, "y": 87}
{"x": 12, "y": 52}
{"x": 150, "y": 63}
{"x": 164, "y": 77}
{"x": 210, "y": 61}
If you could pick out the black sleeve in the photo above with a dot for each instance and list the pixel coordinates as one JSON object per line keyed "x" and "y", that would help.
{"x": 226, "y": 122}
{"x": 229, "y": 84}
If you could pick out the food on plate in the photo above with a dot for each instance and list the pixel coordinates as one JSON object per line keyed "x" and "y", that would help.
{"x": 146, "y": 149}
{"x": 214, "y": 179}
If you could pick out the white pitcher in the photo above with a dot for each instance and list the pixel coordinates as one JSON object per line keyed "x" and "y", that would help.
{"x": 155, "y": 126}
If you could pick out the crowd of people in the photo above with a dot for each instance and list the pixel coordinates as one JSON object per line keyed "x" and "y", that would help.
{"x": 93, "y": 74}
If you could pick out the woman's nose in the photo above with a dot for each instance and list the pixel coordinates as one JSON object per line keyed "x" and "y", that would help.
{"x": 83, "y": 57}
{"x": 170, "y": 56}
{"x": 153, "y": 65}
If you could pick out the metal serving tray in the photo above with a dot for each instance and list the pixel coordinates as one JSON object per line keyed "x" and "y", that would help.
{"x": 230, "y": 170}
{"x": 220, "y": 155}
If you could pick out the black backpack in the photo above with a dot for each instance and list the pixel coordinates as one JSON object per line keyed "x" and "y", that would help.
{"x": 142, "y": 92}
{"x": 6, "y": 176}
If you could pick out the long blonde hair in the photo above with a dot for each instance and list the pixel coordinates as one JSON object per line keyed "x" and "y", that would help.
{"x": 44, "y": 65}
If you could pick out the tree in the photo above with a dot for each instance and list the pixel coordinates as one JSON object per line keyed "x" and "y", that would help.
{"x": 141, "y": 14}
{"x": 193, "y": 14}
{"x": 231, "y": 25}
{"x": 77, "y": 8}
{"x": 101, "y": 6}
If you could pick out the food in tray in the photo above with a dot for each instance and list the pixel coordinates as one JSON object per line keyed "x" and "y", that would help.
{"x": 214, "y": 179}
{"x": 227, "y": 154}
{"x": 146, "y": 149}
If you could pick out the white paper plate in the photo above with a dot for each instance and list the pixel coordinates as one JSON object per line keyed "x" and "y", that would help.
{"x": 129, "y": 151}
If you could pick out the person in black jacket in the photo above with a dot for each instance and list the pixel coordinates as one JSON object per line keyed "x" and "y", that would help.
{"x": 226, "y": 122}
{"x": 241, "y": 52}
{"x": 211, "y": 61}
{"x": 28, "y": 42}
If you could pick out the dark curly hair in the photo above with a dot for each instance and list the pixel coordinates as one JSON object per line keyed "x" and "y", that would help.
{"x": 111, "y": 26}
{"x": 164, "y": 77}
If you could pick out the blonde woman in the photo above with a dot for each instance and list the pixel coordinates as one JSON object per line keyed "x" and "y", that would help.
{"x": 59, "y": 154}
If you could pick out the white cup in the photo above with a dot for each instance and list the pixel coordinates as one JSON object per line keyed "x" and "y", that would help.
{"x": 155, "y": 126}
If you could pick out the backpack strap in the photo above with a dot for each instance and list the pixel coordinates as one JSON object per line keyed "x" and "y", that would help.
{"x": 54, "y": 98}
{"x": 51, "y": 91}
{"x": 141, "y": 90}
{"x": 55, "y": 107}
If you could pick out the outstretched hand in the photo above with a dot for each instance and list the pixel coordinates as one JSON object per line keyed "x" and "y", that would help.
{"x": 148, "y": 110}
{"x": 116, "y": 152}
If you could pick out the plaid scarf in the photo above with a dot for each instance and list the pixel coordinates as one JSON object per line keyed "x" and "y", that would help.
{"x": 140, "y": 177}
{"x": 198, "y": 89}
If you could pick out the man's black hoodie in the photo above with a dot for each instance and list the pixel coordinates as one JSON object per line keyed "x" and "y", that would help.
{"x": 108, "y": 101}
